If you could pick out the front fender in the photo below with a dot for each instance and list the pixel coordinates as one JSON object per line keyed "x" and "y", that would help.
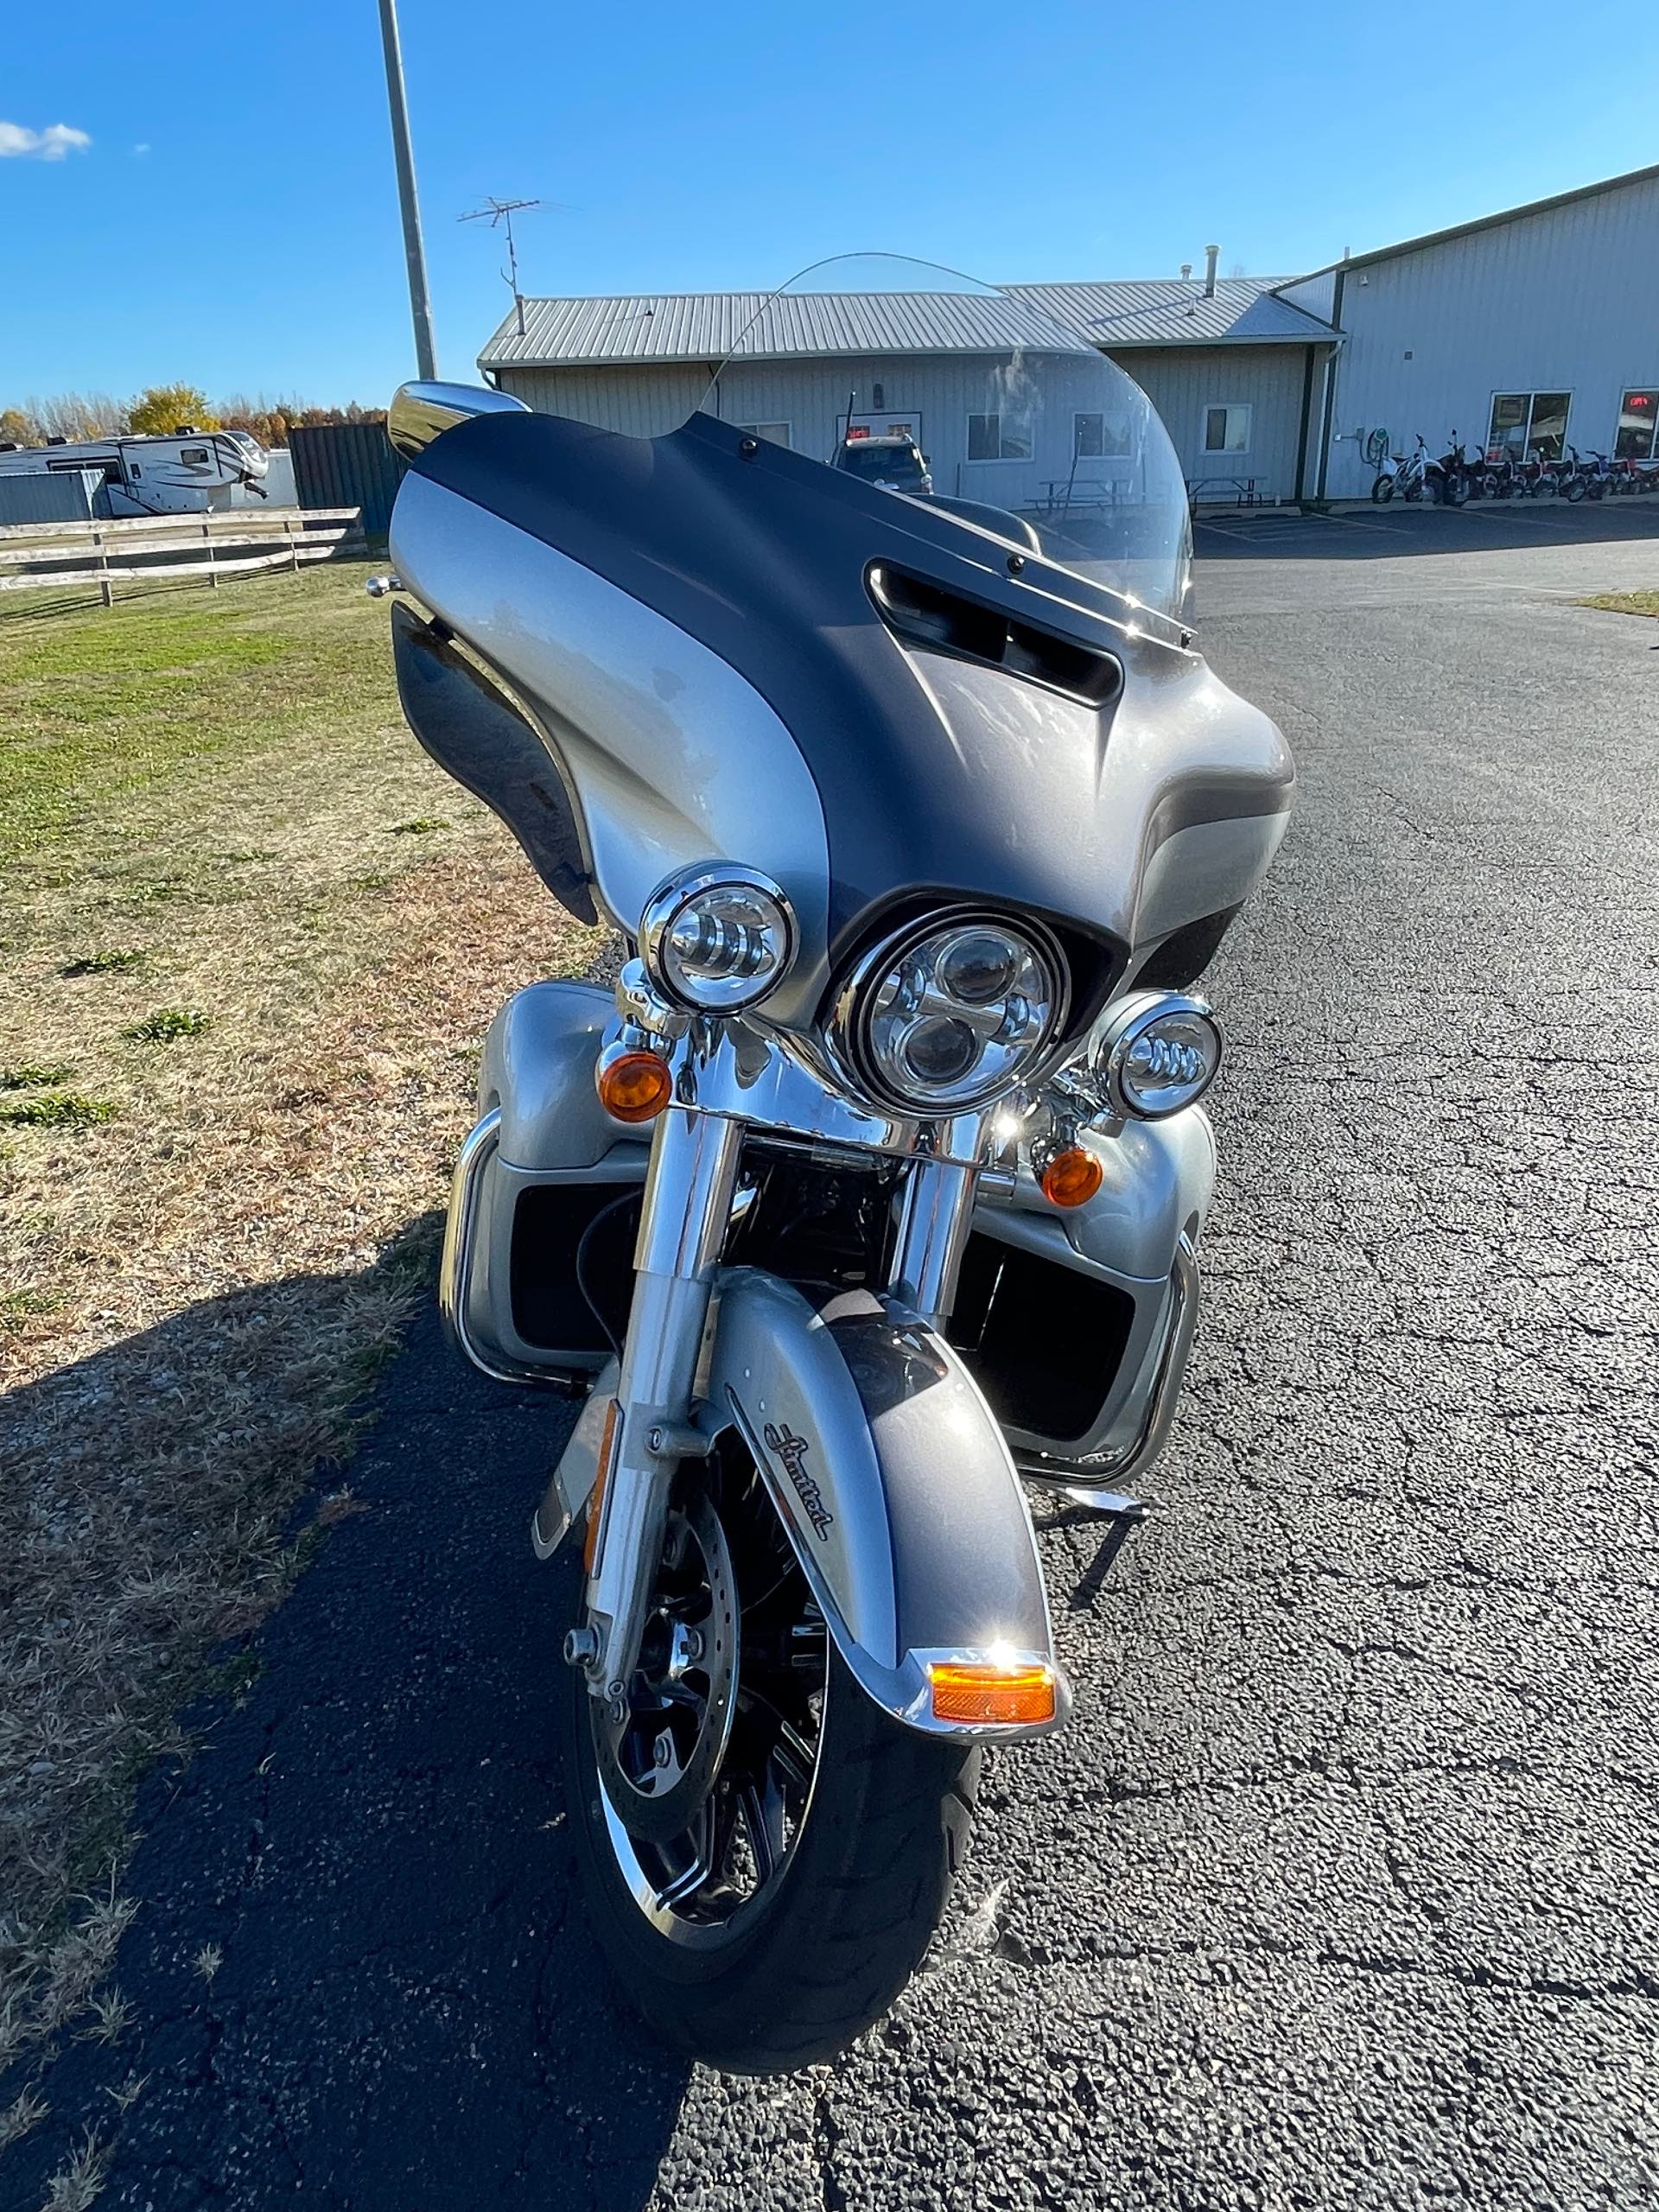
{"x": 892, "y": 1477}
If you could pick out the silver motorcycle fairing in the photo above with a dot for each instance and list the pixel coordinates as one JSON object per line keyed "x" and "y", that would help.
{"x": 673, "y": 757}
{"x": 577, "y": 561}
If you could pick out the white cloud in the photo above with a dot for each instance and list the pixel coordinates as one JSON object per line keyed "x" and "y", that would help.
{"x": 48, "y": 145}
{"x": 141, "y": 148}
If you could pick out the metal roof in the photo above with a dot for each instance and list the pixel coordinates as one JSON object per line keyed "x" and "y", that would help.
{"x": 1485, "y": 222}
{"x": 705, "y": 326}
{"x": 1175, "y": 311}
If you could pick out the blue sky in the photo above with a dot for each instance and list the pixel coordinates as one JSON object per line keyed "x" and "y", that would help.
{"x": 232, "y": 220}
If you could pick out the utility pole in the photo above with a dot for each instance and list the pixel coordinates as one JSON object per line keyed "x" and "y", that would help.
{"x": 420, "y": 304}
{"x": 494, "y": 212}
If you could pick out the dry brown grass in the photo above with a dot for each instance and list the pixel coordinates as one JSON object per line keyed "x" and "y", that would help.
{"x": 195, "y": 1290}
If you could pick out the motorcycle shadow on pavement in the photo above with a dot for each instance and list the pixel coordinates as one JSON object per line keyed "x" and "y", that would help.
{"x": 359, "y": 1972}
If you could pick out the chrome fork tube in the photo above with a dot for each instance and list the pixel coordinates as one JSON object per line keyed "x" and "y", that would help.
{"x": 688, "y": 1201}
{"x": 936, "y": 1211}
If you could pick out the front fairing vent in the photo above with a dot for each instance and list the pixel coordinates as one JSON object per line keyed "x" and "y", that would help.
{"x": 943, "y": 622}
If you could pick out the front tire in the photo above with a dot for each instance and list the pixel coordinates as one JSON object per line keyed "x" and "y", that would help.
{"x": 1382, "y": 490}
{"x": 823, "y": 1889}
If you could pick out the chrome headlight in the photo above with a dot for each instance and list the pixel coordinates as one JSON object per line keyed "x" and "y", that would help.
{"x": 717, "y": 938}
{"x": 952, "y": 1014}
{"x": 1159, "y": 1052}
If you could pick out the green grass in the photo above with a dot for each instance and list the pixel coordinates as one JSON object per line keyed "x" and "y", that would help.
{"x": 1625, "y": 602}
{"x": 56, "y": 1109}
{"x": 168, "y": 1024}
{"x": 34, "y": 1075}
{"x": 99, "y": 706}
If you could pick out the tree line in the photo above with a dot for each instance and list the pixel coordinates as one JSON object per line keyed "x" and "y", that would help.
{"x": 80, "y": 417}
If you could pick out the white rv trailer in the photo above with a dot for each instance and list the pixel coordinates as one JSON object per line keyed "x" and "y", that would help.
{"x": 182, "y": 473}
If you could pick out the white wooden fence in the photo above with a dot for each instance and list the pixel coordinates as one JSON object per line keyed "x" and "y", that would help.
{"x": 229, "y": 542}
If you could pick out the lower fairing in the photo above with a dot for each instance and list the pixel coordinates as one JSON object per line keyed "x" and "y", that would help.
{"x": 1073, "y": 1325}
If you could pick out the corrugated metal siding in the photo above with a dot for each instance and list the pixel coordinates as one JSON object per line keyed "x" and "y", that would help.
{"x": 707, "y": 325}
{"x": 58, "y": 495}
{"x": 1244, "y": 311}
{"x": 1317, "y": 295}
{"x": 1559, "y": 301}
{"x": 347, "y": 465}
{"x": 1268, "y": 379}
{"x": 940, "y": 391}
{"x": 643, "y": 402}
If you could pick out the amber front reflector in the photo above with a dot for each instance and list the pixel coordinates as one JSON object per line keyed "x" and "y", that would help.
{"x": 635, "y": 1086}
{"x": 596, "y": 1495}
{"x": 968, "y": 1692}
{"x": 1072, "y": 1177}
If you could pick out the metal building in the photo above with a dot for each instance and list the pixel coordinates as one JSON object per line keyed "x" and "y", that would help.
{"x": 1531, "y": 330}
{"x": 1230, "y": 366}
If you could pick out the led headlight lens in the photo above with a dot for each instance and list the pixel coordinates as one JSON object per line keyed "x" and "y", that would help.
{"x": 950, "y": 1014}
{"x": 717, "y": 938}
{"x": 1159, "y": 1052}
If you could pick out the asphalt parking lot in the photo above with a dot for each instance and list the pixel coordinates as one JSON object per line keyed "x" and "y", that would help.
{"x": 1342, "y": 1889}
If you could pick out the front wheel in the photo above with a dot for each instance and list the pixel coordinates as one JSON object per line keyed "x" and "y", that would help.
{"x": 1382, "y": 490}
{"x": 765, "y": 1855}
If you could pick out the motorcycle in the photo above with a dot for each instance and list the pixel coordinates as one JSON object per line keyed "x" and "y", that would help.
{"x": 1419, "y": 475}
{"x": 1402, "y": 474}
{"x": 872, "y": 1191}
{"x": 1500, "y": 474}
{"x": 1451, "y": 473}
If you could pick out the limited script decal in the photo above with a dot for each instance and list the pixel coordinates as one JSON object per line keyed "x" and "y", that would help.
{"x": 791, "y": 1450}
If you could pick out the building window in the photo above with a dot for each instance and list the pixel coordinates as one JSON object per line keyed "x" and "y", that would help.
{"x": 1638, "y": 412}
{"x": 775, "y": 433}
{"x": 1098, "y": 437}
{"x": 1227, "y": 428}
{"x": 1527, "y": 422}
{"x": 995, "y": 437}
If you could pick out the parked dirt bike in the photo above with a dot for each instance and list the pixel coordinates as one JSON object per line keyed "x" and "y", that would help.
{"x": 1450, "y": 474}
{"x": 1419, "y": 475}
{"x": 1570, "y": 476}
{"x": 1403, "y": 475}
{"x": 875, "y": 1189}
{"x": 1498, "y": 475}
{"x": 1535, "y": 477}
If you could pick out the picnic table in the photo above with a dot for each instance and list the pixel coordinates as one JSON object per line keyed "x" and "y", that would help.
{"x": 1240, "y": 490}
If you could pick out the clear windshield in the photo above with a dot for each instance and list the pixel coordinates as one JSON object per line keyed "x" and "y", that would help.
{"x": 1020, "y": 422}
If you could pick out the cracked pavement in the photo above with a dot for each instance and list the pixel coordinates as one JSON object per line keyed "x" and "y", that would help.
{"x": 1341, "y": 1890}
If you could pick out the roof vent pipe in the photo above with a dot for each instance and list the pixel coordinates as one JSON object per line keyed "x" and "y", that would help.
{"x": 1187, "y": 270}
{"x": 1212, "y": 256}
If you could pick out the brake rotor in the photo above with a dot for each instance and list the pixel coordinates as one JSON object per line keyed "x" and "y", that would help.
{"x": 658, "y": 1764}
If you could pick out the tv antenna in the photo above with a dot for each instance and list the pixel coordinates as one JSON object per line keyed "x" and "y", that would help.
{"x": 498, "y": 214}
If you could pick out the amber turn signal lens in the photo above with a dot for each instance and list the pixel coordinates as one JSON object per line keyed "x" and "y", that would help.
{"x": 634, "y": 1086}
{"x": 971, "y": 1691}
{"x": 1072, "y": 1177}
